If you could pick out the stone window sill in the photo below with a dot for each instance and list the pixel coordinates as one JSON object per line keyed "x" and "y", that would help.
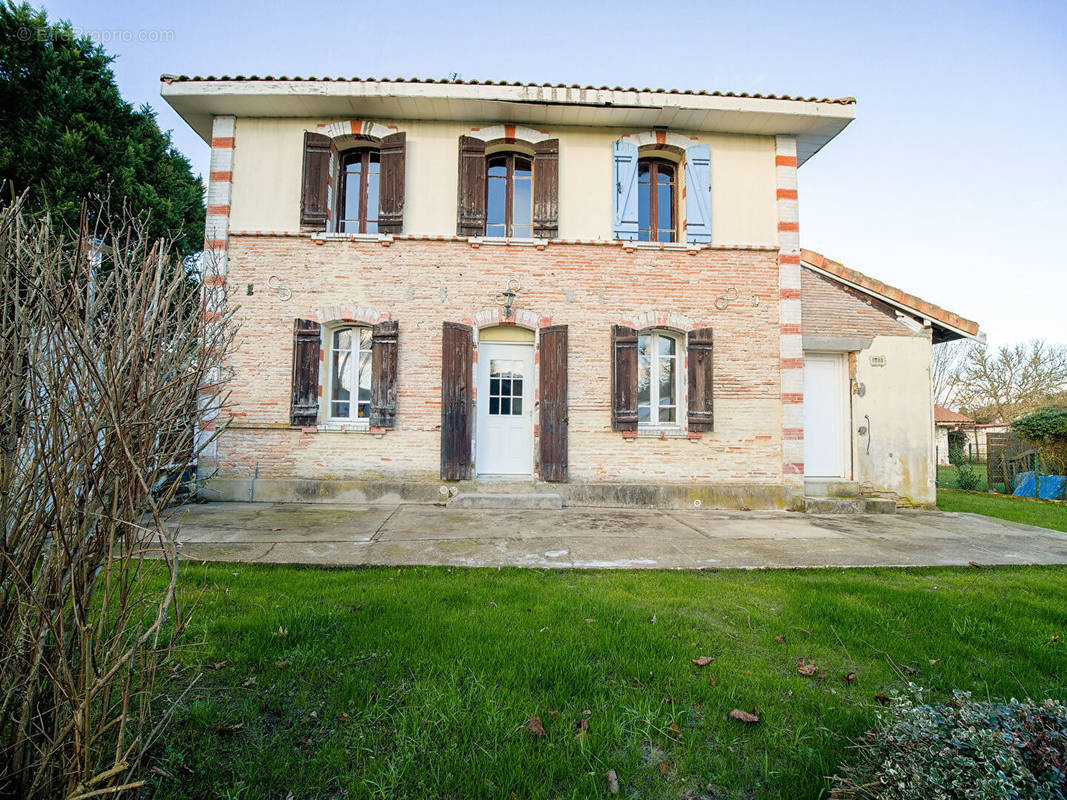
{"x": 345, "y": 427}
{"x": 320, "y": 237}
{"x": 507, "y": 241}
{"x": 662, "y": 432}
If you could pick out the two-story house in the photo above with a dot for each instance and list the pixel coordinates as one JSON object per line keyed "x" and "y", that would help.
{"x": 594, "y": 288}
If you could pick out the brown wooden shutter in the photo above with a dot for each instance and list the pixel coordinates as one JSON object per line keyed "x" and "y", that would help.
{"x": 554, "y": 414}
{"x": 701, "y": 417}
{"x": 314, "y": 200}
{"x": 391, "y": 188}
{"x": 383, "y": 374}
{"x": 456, "y": 358}
{"x": 304, "y": 405}
{"x": 623, "y": 378}
{"x": 546, "y": 189}
{"x": 471, "y": 219}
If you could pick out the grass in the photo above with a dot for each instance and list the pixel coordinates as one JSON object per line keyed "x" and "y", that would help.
{"x": 417, "y": 683}
{"x": 947, "y": 475}
{"x": 1043, "y": 513}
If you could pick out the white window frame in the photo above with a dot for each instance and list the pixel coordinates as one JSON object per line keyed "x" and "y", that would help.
{"x": 654, "y": 373}
{"x": 353, "y": 365}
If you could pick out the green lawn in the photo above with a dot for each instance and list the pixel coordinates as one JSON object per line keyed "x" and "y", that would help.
{"x": 947, "y": 475}
{"x": 418, "y": 683}
{"x": 1044, "y": 514}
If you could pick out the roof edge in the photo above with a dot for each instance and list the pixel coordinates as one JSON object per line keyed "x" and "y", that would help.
{"x": 169, "y": 78}
{"x": 948, "y": 320}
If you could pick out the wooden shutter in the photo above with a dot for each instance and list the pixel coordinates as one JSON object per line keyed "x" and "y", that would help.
{"x": 471, "y": 219}
{"x": 624, "y": 155}
{"x": 554, "y": 414}
{"x": 546, "y": 189}
{"x": 623, "y": 378}
{"x": 391, "y": 188}
{"x": 701, "y": 406}
{"x": 698, "y": 193}
{"x": 383, "y": 375}
{"x": 304, "y": 405}
{"x": 456, "y": 357}
{"x": 314, "y": 200}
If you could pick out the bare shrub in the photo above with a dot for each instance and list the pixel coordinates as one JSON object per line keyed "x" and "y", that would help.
{"x": 106, "y": 350}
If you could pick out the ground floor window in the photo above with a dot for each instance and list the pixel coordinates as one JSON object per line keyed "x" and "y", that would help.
{"x": 350, "y": 373}
{"x": 657, "y": 379}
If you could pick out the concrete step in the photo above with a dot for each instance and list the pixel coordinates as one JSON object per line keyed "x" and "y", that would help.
{"x": 831, "y": 487}
{"x": 507, "y": 500}
{"x": 849, "y": 505}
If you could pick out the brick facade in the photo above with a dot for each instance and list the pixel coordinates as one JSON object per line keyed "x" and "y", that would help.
{"x": 833, "y": 309}
{"x": 423, "y": 282}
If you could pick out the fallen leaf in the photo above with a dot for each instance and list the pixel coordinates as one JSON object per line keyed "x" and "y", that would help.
{"x": 219, "y": 664}
{"x": 674, "y": 636}
{"x": 910, "y": 670}
{"x": 806, "y": 669}
{"x": 675, "y": 728}
{"x": 342, "y": 717}
{"x": 712, "y": 681}
{"x": 1055, "y": 639}
{"x": 881, "y": 698}
{"x": 821, "y": 676}
{"x": 224, "y": 729}
{"x": 663, "y": 767}
{"x": 703, "y": 661}
{"x": 282, "y": 662}
{"x": 935, "y": 661}
{"x": 744, "y": 716}
{"x": 553, "y": 713}
{"x": 613, "y": 781}
{"x": 780, "y": 639}
{"x": 534, "y": 726}
{"x": 850, "y": 677}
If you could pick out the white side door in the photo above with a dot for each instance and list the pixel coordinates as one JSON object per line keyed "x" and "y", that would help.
{"x": 825, "y": 415}
{"x": 504, "y": 436}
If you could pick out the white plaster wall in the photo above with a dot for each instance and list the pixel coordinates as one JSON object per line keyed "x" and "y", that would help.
{"x": 899, "y": 403}
{"x": 268, "y": 160}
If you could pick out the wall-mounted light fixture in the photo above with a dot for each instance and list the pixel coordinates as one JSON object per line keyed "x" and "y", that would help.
{"x": 509, "y": 296}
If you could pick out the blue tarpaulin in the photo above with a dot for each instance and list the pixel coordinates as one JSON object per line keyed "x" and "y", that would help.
{"x": 1052, "y": 486}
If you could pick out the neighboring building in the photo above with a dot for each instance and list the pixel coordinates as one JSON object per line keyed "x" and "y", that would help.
{"x": 951, "y": 427}
{"x": 600, "y": 288}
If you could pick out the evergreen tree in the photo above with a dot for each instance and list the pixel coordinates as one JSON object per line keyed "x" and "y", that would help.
{"x": 67, "y": 134}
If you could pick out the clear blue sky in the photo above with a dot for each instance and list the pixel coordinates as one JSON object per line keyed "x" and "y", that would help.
{"x": 951, "y": 183}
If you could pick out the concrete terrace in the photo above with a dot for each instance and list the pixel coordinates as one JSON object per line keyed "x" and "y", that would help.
{"x": 601, "y": 537}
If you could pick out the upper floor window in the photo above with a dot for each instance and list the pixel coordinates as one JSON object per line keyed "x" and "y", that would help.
{"x": 657, "y": 378}
{"x": 511, "y": 192}
{"x": 350, "y": 373}
{"x": 358, "y": 189}
{"x": 656, "y": 182}
{"x": 649, "y": 201}
{"x": 509, "y": 195}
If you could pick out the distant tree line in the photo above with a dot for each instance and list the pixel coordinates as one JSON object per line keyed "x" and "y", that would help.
{"x": 1001, "y": 384}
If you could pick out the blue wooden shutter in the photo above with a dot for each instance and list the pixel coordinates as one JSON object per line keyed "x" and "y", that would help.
{"x": 625, "y": 189}
{"x": 698, "y": 193}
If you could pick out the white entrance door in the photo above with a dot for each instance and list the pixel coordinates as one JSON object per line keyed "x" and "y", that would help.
{"x": 505, "y": 409}
{"x": 825, "y": 415}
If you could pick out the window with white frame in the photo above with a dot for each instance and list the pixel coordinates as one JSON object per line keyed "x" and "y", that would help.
{"x": 350, "y": 374}
{"x": 657, "y": 378}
